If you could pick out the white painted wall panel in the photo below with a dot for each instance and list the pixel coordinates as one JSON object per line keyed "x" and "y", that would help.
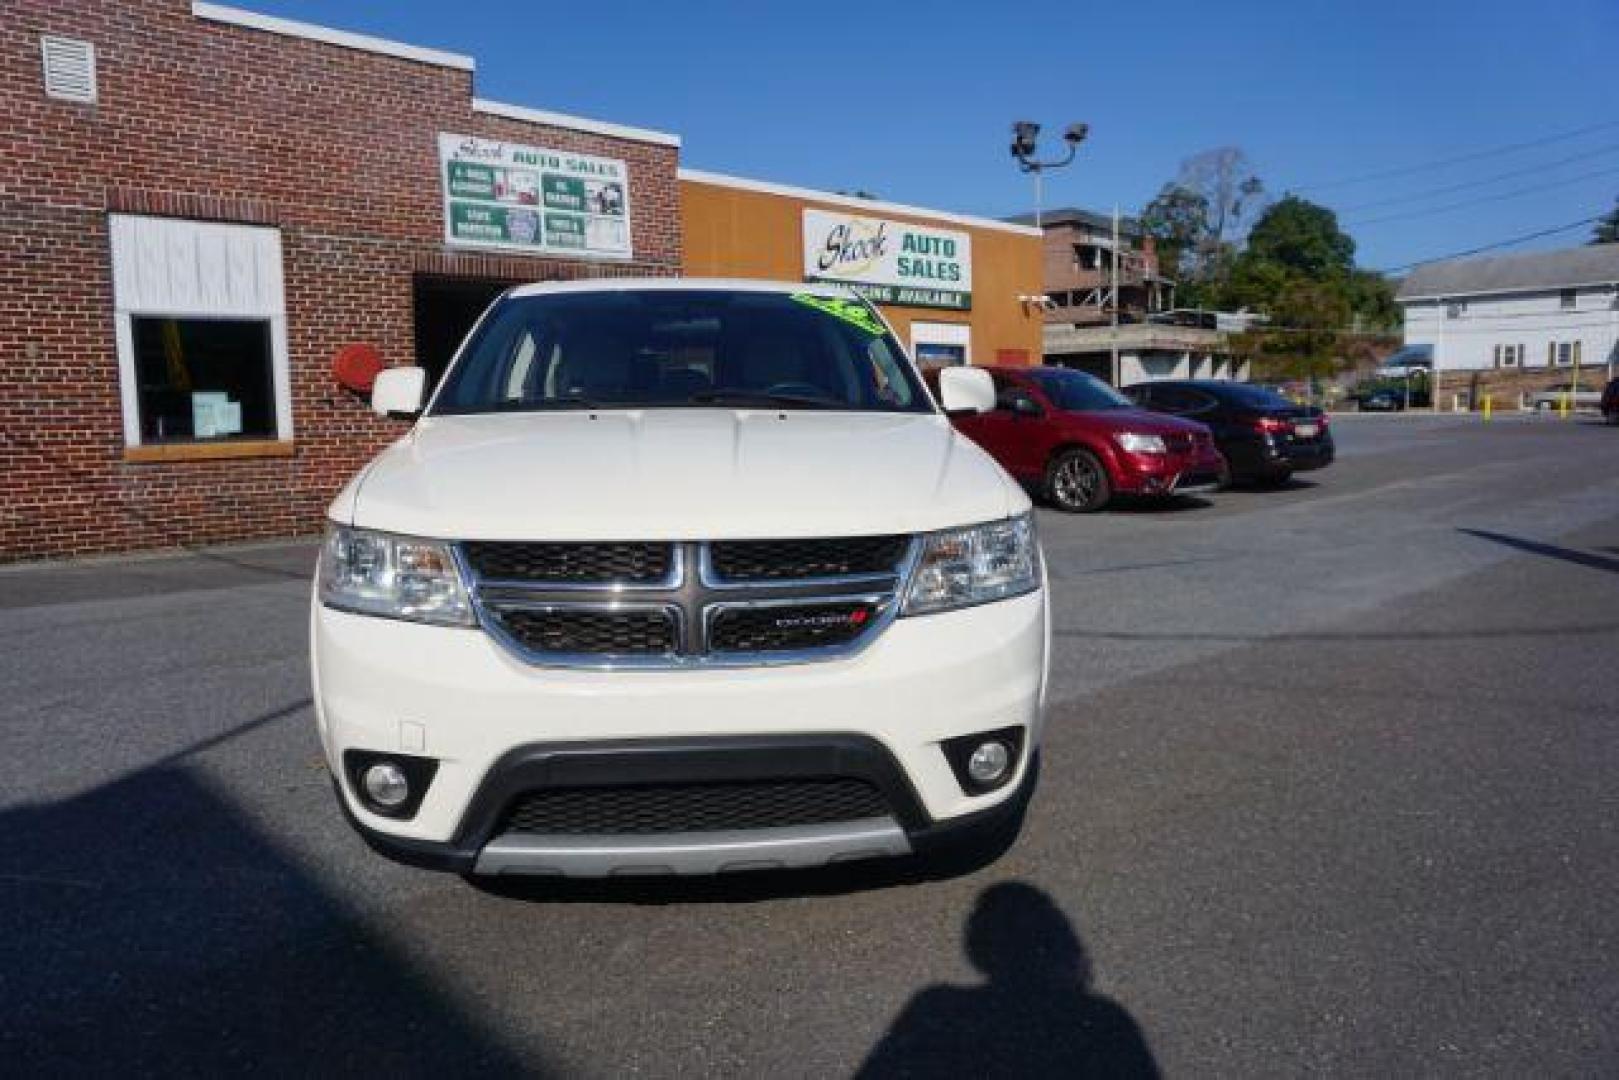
{"x": 175, "y": 267}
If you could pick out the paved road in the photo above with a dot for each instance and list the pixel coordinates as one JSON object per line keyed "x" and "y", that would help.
{"x": 1329, "y": 787}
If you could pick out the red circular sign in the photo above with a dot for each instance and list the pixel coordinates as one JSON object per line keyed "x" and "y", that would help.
{"x": 356, "y": 365}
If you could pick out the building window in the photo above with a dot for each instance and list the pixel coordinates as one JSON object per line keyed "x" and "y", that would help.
{"x": 1565, "y": 354}
{"x": 941, "y": 343}
{"x": 201, "y": 327}
{"x": 1508, "y": 355}
{"x": 1456, "y": 309}
{"x": 1567, "y": 299}
{"x": 202, "y": 379}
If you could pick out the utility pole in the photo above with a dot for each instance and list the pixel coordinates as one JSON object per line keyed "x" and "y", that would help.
{"x": 1114, "y": 336}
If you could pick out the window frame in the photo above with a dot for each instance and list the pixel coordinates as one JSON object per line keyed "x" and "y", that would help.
{"x": 269, "y": 342}
{"x": 135, "y": 298}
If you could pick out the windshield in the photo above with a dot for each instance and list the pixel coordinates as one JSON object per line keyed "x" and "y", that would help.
{"x": 676, "y": 348}
{"x": 1076, "y": 391}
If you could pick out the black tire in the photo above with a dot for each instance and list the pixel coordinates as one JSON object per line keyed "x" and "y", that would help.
{"x": 1077, "y": 482}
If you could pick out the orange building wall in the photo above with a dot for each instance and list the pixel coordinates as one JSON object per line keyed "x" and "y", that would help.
{"x": 733, "y": 232}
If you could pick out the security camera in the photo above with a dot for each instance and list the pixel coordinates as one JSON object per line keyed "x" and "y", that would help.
{"x": 1075, "y": 133}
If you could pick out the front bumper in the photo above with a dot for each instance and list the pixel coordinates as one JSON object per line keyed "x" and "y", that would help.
{"x": 1169, "y": 474}
{"x": 455, "y": 696}
{"x": 480, "y": 847}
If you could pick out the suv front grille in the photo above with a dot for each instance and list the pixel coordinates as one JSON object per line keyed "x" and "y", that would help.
{"x": 586, "y": 632}
{"x": 574, "y": 564}
{"x": 779, "y": 560}
{"x": 773, "y": 628}
{"x": 688, "y": 603}
{"x": 693, "y": 807}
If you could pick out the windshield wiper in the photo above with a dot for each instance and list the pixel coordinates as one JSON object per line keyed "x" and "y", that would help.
{"x": 760, "y": 397}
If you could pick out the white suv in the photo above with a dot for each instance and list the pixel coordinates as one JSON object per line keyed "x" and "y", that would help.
{"x": 677, "y": 576}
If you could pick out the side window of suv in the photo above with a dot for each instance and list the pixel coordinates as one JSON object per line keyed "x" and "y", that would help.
{"x": 1181, "y": 400}
{"x": 1012, "y": 398}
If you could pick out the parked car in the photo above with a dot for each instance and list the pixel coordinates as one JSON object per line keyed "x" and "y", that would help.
{"x": 1382, "y": 401}
{"x": 1610, "y": 401}
{"x": 1265, "y": 438}
{"x": 1080, "y": 442}
{"x": 680, "y": 577}
{"x": 1392, "y": 396}
{"x": 1578, "y": 397}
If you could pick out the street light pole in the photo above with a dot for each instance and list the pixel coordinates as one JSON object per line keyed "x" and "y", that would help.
{"x": 1025, "y": 134}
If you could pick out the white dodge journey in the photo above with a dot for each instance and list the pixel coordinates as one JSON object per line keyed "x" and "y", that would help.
{"x": 679, "y": 577}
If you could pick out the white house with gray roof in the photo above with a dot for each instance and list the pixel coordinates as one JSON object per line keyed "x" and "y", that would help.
{"x": 1551, "y": 309}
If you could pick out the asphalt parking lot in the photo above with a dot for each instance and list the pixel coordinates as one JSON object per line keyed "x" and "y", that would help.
{"x": 1328, "y": 787}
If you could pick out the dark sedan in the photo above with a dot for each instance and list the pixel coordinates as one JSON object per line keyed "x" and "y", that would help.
{"x": 1265, "y": 437}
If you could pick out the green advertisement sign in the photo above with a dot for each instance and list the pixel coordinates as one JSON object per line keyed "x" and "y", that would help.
{"x": 526, "y": 198}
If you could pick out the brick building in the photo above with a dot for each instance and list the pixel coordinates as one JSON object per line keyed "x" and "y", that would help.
{"x": 207, "y": 213}
{"x": 184, "y": 183}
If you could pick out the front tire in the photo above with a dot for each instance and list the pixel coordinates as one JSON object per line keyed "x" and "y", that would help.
{"x": 1077, "y": 482}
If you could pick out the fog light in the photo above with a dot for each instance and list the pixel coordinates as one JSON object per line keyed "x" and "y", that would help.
{"x": 386, "y": 785}
{"x": 989, "y": 762}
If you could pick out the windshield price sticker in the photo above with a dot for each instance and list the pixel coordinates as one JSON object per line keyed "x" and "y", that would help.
{"x": 850, "y": 311}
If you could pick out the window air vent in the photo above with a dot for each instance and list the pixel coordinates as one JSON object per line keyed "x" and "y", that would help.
{"x": 70, "y": 68}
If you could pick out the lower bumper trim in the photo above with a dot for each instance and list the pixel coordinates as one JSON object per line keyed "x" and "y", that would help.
{"x": 793, "y": 847}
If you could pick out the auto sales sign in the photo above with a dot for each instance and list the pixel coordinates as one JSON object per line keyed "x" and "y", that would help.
{"x": 889, "y": 262}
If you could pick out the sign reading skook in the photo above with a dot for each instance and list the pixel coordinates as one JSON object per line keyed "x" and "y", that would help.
{"x": 526, "y": 198}
{"x": 889, "y": 262}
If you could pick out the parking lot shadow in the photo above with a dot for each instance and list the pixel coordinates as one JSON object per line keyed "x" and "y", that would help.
{"x": 1036, "y": 1016}
{"x": 1158, "y": 504}
{"x": 149, "y": 927}
{"x": 1550, "y": 551}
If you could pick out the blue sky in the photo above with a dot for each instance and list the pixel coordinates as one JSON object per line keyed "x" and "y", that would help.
{"x": 914, "y": 101}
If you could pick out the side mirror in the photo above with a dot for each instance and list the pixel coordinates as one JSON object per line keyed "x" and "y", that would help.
{"x": 398, "y": 392}
{"x": 966, "y": 390}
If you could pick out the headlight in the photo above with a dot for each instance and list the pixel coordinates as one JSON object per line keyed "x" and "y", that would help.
{"x": 1140, "y": 444}
{"x": 961, "y": 567}
{"x": 399, "y": 577}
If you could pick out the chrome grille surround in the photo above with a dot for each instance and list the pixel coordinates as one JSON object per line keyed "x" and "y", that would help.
{"x": 693, "y": 593}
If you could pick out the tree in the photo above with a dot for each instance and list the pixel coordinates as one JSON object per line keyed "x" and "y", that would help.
{"x": 1607, "y": 227}
{"x": 1304, "y": 238}
{"x": 1199, "y": 215}
{"x": 1176, "y": 219}
{"x": 1225, "y": 181}
{"x": 1301, "y": 340}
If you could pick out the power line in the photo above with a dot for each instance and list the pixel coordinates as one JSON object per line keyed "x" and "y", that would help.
{"x": 1407, "y": 170}
{"x": 1525, "y": 238}
{"x": 1465, "y": 203}
{"x": 1484, "y": 182}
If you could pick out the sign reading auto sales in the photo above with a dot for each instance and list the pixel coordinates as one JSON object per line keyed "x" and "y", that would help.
{"x": 889, "y": 262}
{"x": 526, "y": 198}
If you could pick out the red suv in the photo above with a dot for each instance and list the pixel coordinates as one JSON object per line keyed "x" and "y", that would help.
{"x": 1081, "y": 442}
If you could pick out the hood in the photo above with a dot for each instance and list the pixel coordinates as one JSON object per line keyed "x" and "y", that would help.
{"x": 678, "y": 474}
{"x": 1138, "y": 420}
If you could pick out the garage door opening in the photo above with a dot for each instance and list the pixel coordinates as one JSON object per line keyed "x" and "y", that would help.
{"x": 446, "y": 308}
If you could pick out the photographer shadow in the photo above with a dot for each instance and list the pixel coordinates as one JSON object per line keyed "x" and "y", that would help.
{"x": 1036, "y": 1016}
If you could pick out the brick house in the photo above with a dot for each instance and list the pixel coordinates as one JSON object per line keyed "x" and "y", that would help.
{"x": 200, "y": 207}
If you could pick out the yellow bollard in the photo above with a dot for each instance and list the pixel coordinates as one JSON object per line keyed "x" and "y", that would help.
{"x": 1489, "y": 405}
{"x": 1562, "y": 406}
